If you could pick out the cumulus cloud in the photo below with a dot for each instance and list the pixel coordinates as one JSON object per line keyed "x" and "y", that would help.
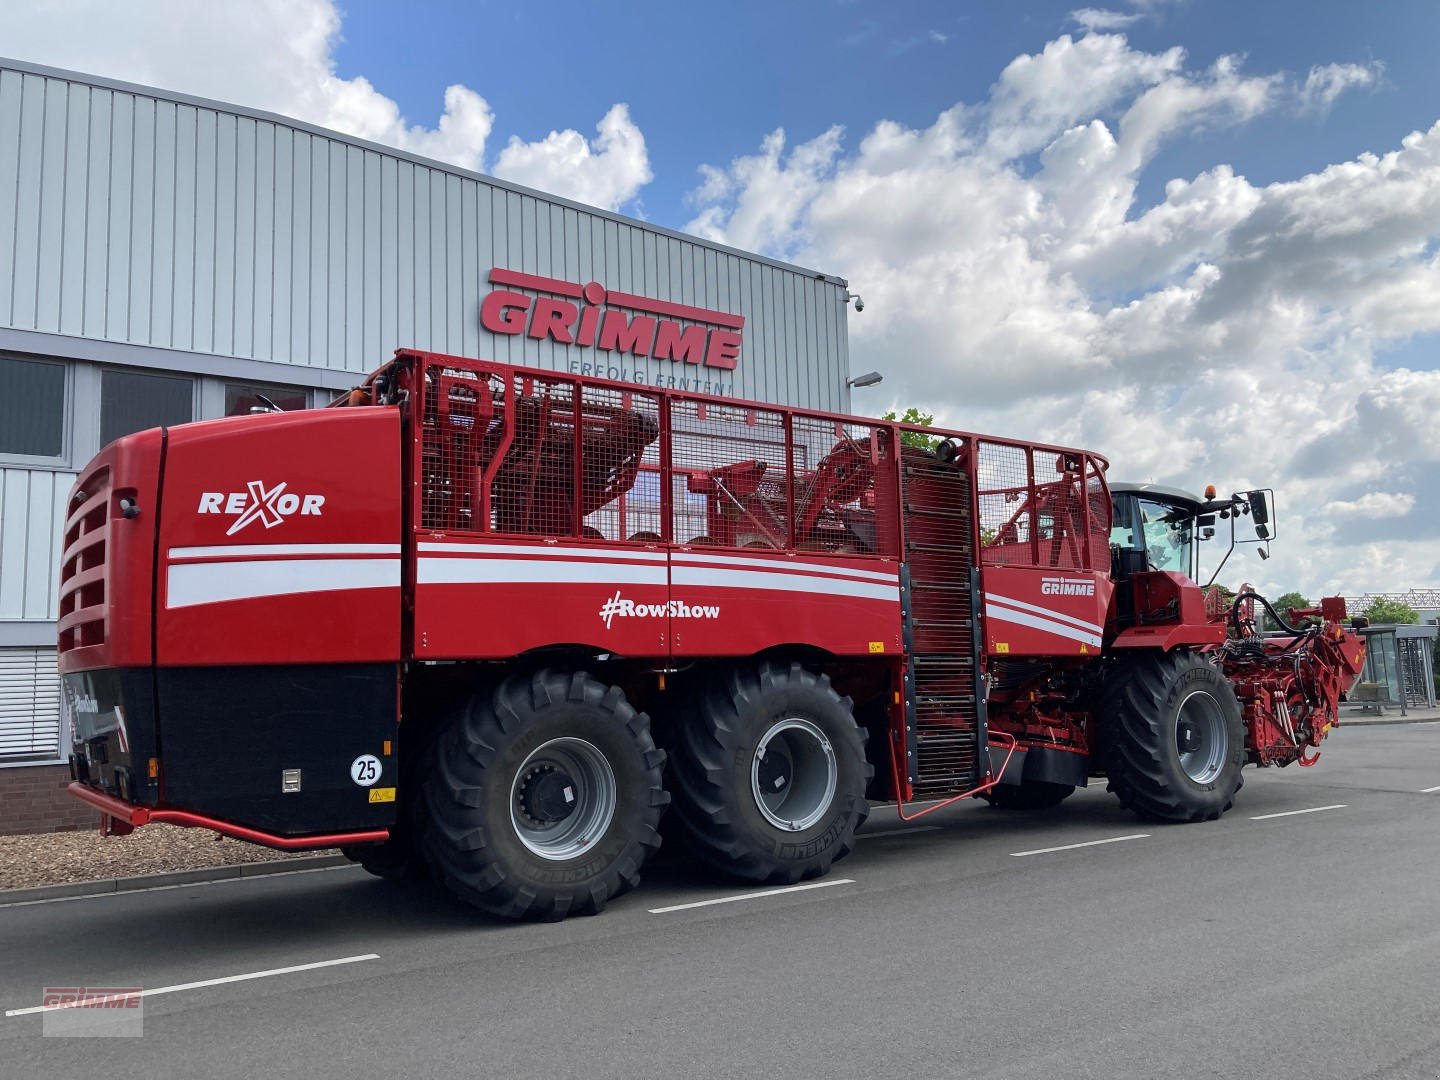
{"x": 607, "y": 172}
{"x": 1226, "y": 332}
{"x": 1102, "y": 19}
{"x": 278, "y": 55}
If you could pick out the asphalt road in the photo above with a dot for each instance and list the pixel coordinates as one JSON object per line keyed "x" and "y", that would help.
{"x": 1305, "y": 945}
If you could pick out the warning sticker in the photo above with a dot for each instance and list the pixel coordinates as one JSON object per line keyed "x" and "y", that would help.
{"x": 382, "y": 794}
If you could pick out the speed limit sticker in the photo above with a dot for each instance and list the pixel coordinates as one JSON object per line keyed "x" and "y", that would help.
{"x": 365, "y": 770}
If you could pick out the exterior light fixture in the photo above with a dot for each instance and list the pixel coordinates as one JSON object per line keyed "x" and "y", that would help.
{"x": 870, "y": 378}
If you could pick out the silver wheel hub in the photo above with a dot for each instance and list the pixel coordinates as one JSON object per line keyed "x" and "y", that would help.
{"x": 1202, "y": 738}
{"x": 793, "y": 775}
{"x": 563, "y": 799}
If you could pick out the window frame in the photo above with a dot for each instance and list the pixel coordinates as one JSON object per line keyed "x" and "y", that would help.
{"x": 65, "y": 458}
{"x": 166, "y": 373}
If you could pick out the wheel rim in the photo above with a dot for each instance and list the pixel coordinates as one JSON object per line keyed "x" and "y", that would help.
{"x": 563, "y": 799}
{"x": 793, "y": 775}
{"x": 1201, "y": 737}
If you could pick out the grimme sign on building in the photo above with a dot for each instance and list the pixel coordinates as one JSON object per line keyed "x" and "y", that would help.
{"x": 620, "y": 324}
{"x": 164, "y": 258}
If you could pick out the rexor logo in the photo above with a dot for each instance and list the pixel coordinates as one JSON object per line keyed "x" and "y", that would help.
{"x": 270, "y": 506}
{"x": 618, "y": 605}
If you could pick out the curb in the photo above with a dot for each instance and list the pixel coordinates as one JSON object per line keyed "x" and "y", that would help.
{"x": 1378, "y": 722}
{"x": 174, "y": 878}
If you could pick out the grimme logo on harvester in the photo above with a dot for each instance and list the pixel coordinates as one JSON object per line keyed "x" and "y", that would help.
{"x": 271, "y": 506}
{"x": 618, "y": 605}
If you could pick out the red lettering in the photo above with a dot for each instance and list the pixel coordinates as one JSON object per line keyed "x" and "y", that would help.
{"x": 672, "y": 343}
{"x": 504, "y": 312}
{"x": 724, "y": 349}
{"x": 621, "y": 334}
{"x": 553, "y": 318}
{"x": 589, "y": 319}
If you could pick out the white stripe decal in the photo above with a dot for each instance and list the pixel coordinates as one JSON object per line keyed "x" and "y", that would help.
{"x": 532, "y": 571}
{"x": 1000, "y": 614}
{"x": 543, "y": 551}
{"x": 787, "y": 564}
{"x": 754, "y": 579}
{"x": 1045, "y": 612}
{"x": 282, "y": 549}
{"x": 189, "y": 584}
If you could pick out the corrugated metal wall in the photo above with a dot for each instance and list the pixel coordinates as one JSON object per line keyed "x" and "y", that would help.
{"x": 135, "y": 218}
{"x": 32, "y": 506}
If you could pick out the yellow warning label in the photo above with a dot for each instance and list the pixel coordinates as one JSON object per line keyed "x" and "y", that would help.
{"x": 1002, "y": 646}
{"x": 877, "y": 646}
{"x": 1084, "y": 649}
{"x": 382, "y": 794}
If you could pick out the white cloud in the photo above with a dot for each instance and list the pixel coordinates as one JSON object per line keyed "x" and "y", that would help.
{"x": 1374, "y": 504}
{"x": 1227, "y": 332}
{"x": 1324, "y": 84}
{"x": 278, "y": 55}
{"x": 608, "y": 172}
{"x": 1101, "y": 19}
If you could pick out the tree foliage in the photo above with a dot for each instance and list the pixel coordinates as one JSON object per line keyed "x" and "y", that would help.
{"x": 1286, "y": 601}
{"x": 1385, "y": 612}
{"x": 919, "y": 418}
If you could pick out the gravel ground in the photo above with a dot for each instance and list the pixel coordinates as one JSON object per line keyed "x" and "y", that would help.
{"x": 58, "y": 858}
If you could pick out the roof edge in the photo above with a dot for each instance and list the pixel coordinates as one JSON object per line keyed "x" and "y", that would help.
{"x": 26, "y": 67}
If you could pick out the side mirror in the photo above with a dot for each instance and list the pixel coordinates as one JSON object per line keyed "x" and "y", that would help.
{"x": 1259, "y": 503}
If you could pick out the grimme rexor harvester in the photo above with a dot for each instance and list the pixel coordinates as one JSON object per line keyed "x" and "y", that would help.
{"x": 451, "y": 623}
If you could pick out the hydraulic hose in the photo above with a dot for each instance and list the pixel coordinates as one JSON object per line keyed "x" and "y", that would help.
{"x": 1252, "y": 595}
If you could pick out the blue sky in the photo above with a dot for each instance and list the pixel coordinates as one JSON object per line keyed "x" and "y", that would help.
{"x": 1199, "y": 236}
{"x": 706, "y": 81}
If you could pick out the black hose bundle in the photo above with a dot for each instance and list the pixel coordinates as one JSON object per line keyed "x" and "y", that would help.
{"x": 1252, "y": 595}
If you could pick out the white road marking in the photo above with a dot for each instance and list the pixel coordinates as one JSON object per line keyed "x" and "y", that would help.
{"x": 200, "y": 984}
{"x": 1292, "y": 813}
{"x": 167, "y": 888}
{"x": 1088, "y": 843}
{"x": 1429, "y": 790}
{"x": 752, "y": 896}
{"x": 898, "y": 832}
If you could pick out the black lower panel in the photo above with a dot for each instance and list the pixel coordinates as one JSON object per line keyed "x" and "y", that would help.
{"x": 1042, "y": 764}
{"x": 228, "y": 735}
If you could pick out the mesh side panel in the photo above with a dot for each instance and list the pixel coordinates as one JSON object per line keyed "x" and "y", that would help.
{"x": 620, "y": 465}
{"x": 1035, "y": 510}
{"x": 729, "y": 480}
{"x": 839, "y": 508}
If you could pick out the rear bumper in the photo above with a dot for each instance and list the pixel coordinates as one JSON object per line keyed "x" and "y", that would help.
{"x": 132, "y": 817}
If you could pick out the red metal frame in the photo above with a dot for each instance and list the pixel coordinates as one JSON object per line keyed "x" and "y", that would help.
{"x": 133, "y": 817}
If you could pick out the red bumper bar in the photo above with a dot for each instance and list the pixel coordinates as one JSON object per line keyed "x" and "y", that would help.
{"x": 135, "y": 816}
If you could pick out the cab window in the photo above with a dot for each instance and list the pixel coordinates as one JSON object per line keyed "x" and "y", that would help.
{"x": 1167, "y": 543}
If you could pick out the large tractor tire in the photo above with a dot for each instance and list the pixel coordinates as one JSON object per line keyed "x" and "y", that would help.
{"x": 542, "y": 797}
{"x": 1029, "y": 795}
{"x": 769, "y": 774}
{"x": 1172, "y": 736}
{"x": 394, "y": 860}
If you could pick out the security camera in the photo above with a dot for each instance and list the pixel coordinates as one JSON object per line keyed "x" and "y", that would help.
{"x": 859, "y": 304}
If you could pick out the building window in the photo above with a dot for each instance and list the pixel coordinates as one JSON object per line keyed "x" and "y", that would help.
{"x": 132, "y": 401}
{"x": 30, "y": 727}
{"x": 241, "y": 399}
{"x": 32, "y": 408}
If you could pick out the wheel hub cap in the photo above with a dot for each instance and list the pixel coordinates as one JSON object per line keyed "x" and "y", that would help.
{"x": 563, "y": 799}
{"x": 1202, "y": 737}
{"x": 794, "y": 775}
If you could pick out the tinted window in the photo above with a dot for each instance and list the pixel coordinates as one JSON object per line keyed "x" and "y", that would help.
{"x": 242, "y": 398}
{"x": 32, "y": 407}
{"x": 132, "y": 401}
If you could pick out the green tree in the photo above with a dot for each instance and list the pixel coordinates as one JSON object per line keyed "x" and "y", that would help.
{"x": 919, "y": 418}
{"x": 1286, "y": 601}
{"x": 1383, "y": 611}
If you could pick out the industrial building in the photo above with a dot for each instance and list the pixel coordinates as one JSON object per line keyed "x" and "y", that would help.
{"x": 165, "y": 259}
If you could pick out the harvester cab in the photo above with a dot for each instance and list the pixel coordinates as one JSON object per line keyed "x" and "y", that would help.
{"x": 1158, "y": 528}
